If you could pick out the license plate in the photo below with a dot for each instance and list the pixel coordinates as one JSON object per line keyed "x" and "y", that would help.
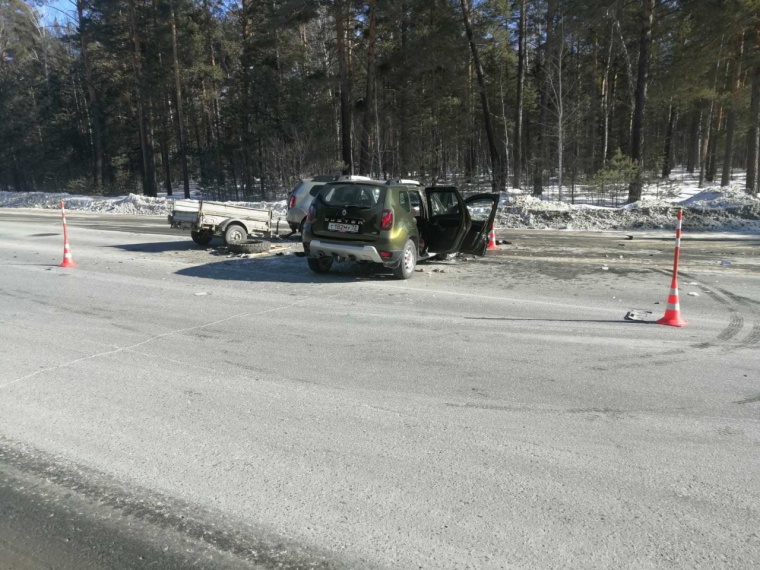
{"x": 344, "y": 228}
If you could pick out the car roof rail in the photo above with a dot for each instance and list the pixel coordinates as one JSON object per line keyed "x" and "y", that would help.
{"x": 403, "y": 181}
{"x": 354, "y": 177}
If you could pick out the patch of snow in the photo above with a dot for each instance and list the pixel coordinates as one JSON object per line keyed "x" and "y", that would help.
{"x": 705, "y": 209}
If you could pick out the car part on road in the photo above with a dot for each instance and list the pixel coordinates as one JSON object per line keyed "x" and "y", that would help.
{"x": 249, "y": 246}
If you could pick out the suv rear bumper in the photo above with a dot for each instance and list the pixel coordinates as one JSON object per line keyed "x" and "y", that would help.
{"x": 319, "y": 248}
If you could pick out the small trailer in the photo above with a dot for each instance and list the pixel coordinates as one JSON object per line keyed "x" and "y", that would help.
{"x": 208, "y": 219}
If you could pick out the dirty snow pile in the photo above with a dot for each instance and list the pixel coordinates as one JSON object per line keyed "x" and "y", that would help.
{"x": 135, "y": 204}
{"x": 713, "y": 209}
{"x": 710, "y": 209}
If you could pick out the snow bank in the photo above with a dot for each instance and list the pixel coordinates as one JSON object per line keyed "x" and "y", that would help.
{"x": 711, "y": 209}
{"x": 134, "y": 204}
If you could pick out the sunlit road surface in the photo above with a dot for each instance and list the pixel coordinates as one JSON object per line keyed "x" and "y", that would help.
{"x": 168, "y": 406}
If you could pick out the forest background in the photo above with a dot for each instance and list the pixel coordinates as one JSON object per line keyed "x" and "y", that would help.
{"x": 243, "y": 98}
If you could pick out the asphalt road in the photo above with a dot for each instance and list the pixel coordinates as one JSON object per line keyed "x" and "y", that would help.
{"x": 169, "y": 406}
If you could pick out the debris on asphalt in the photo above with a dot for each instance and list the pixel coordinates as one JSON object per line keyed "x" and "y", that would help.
{"x": 637, "y": 315}
{"x": 693, "y": 294}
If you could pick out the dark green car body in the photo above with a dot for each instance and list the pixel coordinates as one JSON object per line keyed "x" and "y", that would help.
{"x": 394, "y": 225}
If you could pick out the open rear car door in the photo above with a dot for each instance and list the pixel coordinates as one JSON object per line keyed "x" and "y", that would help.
{"x": 447, "y": 221}
{"x": 482, "y": 211}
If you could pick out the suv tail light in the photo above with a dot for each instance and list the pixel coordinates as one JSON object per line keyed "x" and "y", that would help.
{"x": 292, "y": 202}
{"x": 386, "y": 221}
{"x": 311, "y": 214}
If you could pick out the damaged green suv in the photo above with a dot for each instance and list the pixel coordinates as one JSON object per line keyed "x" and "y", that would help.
{"x": 394, "y": 225}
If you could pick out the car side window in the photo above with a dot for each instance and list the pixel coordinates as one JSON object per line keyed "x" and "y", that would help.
{"x": 436, "y": 205}
{"x": 315, "y": 190}
{"x": 416, "y": 203}
{"x": 403, "y": 200}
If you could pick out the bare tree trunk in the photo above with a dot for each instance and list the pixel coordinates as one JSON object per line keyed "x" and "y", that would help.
{"x": 728, "y": 156}
{"x": 693, "y": 149}
{"x": 216, "y": 118}
{"x": 365, "y": 158}
{"x": 637, "y": 138}
{"x": 630, "y": 82}
{"x": 606, "y": 98}
{"x": 245, "y": 136}
{"x": 708, "y": 131}
{"x": 95, "y": 114}
{"x": 164, "y": 143}
{"x": 541, "y": 138}
{"x": 667, "y": 159}
{"x": 345, "y": 88}
{"x": 178, "y": 102}
{"x": 143, "y": 113}
{"x": 499, "y": 179}
{"x": 404, "y": 139}
{"x": 521, "y": 55}
{"x": 753, "y": 160}
{"x": 712, "y": 148}
{"x": 506, "y": 130}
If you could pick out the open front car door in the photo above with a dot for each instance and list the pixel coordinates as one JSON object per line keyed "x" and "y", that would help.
{"x": 482, "y": 211}
{"x": 448, "y": 220}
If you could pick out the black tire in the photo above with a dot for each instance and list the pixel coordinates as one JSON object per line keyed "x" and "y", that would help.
{"x": 203, "y": 237}
{"x": 408, "y": 261}
{"x": 300, "y": 226}
{"x": 320, "y": 264}
{"x": 235, "y": 233}
{"x": 249, "y": 246}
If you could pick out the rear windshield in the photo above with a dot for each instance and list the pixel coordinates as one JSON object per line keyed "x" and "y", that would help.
{"x": 360, "y": 195}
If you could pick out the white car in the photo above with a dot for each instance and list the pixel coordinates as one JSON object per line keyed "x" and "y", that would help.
{"x": 301, "y": 196}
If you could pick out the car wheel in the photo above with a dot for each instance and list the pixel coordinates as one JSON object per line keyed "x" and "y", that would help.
{"x": 301, "y": 225}
{"x": 203, "y": 237}
{"x": 405, "y": 269}
{"x": 249, "y": 246}
{"x": 235, "y": 233}
{"x": 320, "y": 264}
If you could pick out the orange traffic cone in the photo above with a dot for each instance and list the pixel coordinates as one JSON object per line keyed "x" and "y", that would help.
{"x": 492, "y": 239}
{"x": 673, "y": 311}
{"x": 67, "y": 260}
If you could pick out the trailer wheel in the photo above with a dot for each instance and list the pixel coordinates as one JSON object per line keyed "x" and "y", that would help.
{"x": 250, "y": 246}
{"x": 203, "y": 237}
{"x": 235, "y": 233}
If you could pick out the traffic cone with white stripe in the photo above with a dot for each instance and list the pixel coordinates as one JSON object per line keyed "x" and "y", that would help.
{"x": 673, "y": 310}
{"x": 492, "y": 239}
{"x": 67, "y": 260}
